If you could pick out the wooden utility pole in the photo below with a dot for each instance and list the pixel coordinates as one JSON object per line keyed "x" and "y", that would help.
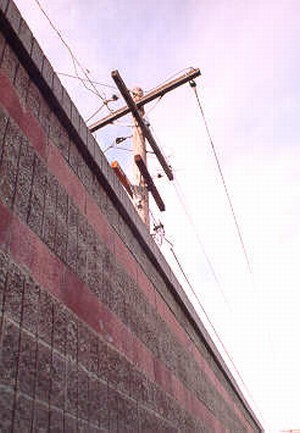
{"x": 145, "y": 129}
{"x": 141, "y": 132}
{"x": 139, "y": 148}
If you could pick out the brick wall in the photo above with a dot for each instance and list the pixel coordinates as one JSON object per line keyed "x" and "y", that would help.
{"x": 96, "y": 335}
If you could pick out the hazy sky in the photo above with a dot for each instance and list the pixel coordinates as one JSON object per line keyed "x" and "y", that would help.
{"x": 249, "y": 56}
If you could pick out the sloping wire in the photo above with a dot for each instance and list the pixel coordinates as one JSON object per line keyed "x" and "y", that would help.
{"x": 235, "y": 219}
{"x": 153, "y": 107}
{"x": 170, "y": 77}
{"x": 95, "y": 112}
{"x": 182, "y": 201}
{"x": 181, "y": 198}
{"x": 216, "y": 333}
{"x": 213, "y": 328}
{"x": 75, "y": 61}
{"x": 91, "y": 81}
{"x": 229, "y": 200}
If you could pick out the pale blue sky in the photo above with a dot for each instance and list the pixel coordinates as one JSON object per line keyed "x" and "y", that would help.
{"x": 248, "y": 53}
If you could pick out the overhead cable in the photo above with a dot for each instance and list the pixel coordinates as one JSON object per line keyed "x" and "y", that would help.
{"x": 95, "y": 112}
{"x": 91, "y": 81}
{"x": 117, "y": 141}
{"x": 170, "y": 78}
{"x": 217, "y": 335}
{"x": 74, "y": 59}
{"x": 238, "y": 229}
{"x": 181, "y": 198}
{"x": 182, "y": 201}
{"x": 235, "y": 219}
{"x": 113, "y": 98}
{"x": 153, "y": 107}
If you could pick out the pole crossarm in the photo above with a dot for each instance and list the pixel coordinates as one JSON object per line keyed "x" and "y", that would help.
{"x": 149, "y": 182}
{"x": 145, "y": 130}
{"x": 156, "y": 93}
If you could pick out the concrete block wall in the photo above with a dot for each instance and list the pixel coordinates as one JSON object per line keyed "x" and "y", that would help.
{"x": 96, "y": 335}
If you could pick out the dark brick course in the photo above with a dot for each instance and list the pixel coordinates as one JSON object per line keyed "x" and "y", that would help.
{"x": 41, "y": 417}
{"x": 37, "y": 196}
{"x": 9, "y": 355}
{"x": 9, "y": 62}
{"x": 23, "y": 414}
{"x": 56, "y": 421}
{"x": 58, "y": 380}
{"x": 49, "y": 221}
{"x": 24, "y": 180}
{"x": 45, "y": 323}
{"x": 6, "y": 409}
{"x": 43, "y": 379}
{"x": 14, "y": 293}
{"x": 71, "y": 405}
{"x": 27, "y": 364}
{"x": 3, "y": 275}
{"x": 22, "y": 83}
{"x": 3, "y": 126}
{"x": 9, "y": 164}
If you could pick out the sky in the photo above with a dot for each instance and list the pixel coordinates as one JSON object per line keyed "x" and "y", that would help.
{"x": 249, "y": 57}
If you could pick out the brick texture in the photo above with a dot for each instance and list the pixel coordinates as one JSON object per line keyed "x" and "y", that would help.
{"x": 92, "y": 338}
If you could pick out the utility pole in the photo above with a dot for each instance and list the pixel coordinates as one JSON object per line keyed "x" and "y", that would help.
{"x": 141, "y": 132}
{"x": 139, "y": 148}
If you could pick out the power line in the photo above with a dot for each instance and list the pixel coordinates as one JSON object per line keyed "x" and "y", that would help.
{"x": 95, "y": 112}
{"x": 91, "y": 81}
{"x": 239, "y": 232}
{"x": 117, "y": 141}
{"x": 74, "y": 59}
{"x": 235, "y": 219}
{"x": 182, "y": 201}
{"x": 217, "y": 335}
{"x": 153, "y": 217}
{"x": 113, "y": 98}
{"x": 181, "y": 198}
{"x": 154, "y": 106}
{"x": 170, "y": 78}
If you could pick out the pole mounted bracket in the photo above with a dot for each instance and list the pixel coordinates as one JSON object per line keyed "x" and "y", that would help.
{"x": 122, "y": 177}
